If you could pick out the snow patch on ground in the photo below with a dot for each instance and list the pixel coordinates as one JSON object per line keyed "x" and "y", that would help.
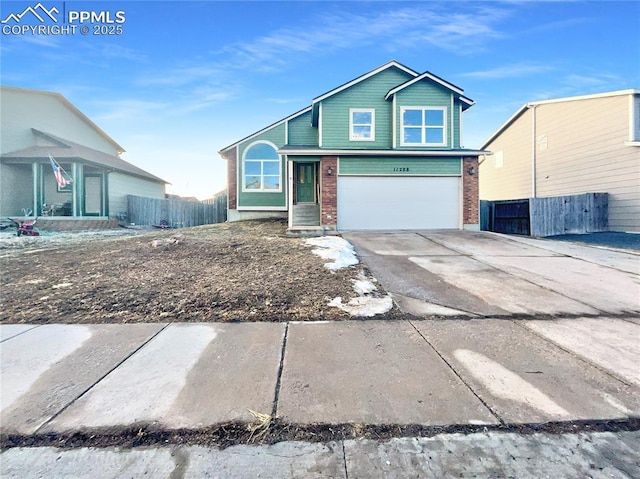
{"x": 338, "y": 250}
{"x": 9, "y": 239}
{"x": 366, "y": 306}
{"x": 341, "y": 253}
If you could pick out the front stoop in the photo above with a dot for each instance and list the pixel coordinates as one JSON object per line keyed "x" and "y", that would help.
{"x": 306, "y": 215}
{"x": 305, "y": 231}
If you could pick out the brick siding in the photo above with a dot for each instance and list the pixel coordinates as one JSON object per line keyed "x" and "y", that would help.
{"x": 329, "y": 192}
{"x": 232, "y": 179}
{"x": 75, "y": 224}
{"x": 470, "y": 195}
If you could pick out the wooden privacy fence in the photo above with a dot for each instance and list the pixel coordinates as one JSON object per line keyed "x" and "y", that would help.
{"x": 557, "y": 215}
{"x": 177, "y": 213}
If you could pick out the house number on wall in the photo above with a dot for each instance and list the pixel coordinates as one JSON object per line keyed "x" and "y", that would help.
{"x": 401, "y": 169}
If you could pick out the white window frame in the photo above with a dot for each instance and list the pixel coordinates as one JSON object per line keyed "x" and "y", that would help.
{"x": 424, "y": 127}
{"x": 262, "y": 175}
{"x": 352, "y": 135}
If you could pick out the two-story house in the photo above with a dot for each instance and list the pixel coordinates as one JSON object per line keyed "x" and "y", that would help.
{"x": 570, "y": 146}
{"x": 380, "y": 152}
{"x": 40, "y": 128}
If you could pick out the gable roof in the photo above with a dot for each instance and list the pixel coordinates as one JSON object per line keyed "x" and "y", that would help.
{"x": 361, "y": 78}
{"x": 355, "y": 81}
{"x": 266, "y": 128}
{"x": 72, "y": 108}
{"x": 434, "y": 78}
{"x": 531, "y": 104}
{"x": 314, "y": 103}
{"x": 62, "y": 150}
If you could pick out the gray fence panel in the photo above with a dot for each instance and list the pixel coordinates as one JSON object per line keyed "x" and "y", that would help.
{"x": 177, "y": 213}
{"x": 486, "y": 220}
{"x": 574, "y": 214}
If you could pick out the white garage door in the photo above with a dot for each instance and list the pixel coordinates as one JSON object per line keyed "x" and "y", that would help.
{"x": 393, "y": 203}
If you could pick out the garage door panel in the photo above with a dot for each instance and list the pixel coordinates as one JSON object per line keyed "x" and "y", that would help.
{"x": 390, "y": 203}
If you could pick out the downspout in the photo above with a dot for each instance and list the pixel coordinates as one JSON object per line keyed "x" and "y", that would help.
{"x": 533, "y": 151}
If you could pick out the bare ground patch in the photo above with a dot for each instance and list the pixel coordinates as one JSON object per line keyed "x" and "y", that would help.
{"x": 245, "y": 271}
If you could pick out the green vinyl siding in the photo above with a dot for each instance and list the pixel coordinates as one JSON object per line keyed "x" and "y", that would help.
{"x": 408, "y": 166}
{"x": 301, "y": 133}
{"x": 247, "y": 199}
{"x": 425, "y": 94}
{"x": 368, "y": 93}
{"x": 456, "y": 124}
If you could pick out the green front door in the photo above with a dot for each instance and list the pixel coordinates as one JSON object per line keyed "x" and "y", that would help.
{"x": 305, "y": 183}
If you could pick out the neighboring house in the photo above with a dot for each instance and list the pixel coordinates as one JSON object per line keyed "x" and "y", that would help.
{"x": 38, "y": 124}
{"x": 568, "y": 146}
{"x": 383, "y": 151}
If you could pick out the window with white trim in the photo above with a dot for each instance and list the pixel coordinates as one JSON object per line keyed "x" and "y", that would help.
{"x": 261, "y": 169}
{"x": 362, "y": 124}
{"x": 423, "y": 126}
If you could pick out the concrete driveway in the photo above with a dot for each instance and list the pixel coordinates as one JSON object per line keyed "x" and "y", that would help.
{"x": 464, "y": 273}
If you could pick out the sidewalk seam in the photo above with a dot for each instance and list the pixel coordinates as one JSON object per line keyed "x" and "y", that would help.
{"x": 344, "y": 460}
{"x": 21, "y": 333}
{"x": 117, "y": 365}
{"x": 276, "y": 397}
{"x": 484, "y": 403}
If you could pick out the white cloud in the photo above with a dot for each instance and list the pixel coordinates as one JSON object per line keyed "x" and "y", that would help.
{"x": 393, "y": 29}
{"x": 515, "y": 70}
{"x": 128, "y": 110}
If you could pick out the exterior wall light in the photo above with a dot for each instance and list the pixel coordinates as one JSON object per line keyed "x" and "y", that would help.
{"x": 472, "y": 170}
{"x": 330, "y": 171}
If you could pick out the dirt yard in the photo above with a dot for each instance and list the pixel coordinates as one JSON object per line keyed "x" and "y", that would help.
{"x": 246, "y": 271}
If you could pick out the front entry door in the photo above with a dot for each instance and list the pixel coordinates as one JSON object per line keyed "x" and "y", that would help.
{"x": 93, "y": 195}
{"x": 305, "y": 183}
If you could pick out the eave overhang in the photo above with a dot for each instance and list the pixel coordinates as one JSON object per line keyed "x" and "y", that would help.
{"x": 314, "y": 151}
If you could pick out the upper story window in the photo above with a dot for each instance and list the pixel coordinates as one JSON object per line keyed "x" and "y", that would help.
{"x": 423, "y": 126}
{"x": 261, "y": 168}
{"x": 362, "y": 124}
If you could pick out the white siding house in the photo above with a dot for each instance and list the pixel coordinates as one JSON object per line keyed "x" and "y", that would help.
{"x": 38, "y": 124}
{"x": 567, "y": 146}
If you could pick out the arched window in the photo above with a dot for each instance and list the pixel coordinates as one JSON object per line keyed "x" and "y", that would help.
{"x": 261, "y": 168}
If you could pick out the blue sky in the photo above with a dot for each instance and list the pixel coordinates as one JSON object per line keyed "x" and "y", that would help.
{"x": 186, "y": 78}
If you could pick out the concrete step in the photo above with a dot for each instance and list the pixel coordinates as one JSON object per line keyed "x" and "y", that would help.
{"x": 306, "y": 215}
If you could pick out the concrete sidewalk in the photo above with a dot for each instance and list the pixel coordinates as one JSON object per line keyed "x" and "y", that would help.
{"x": 601, "y": 455}
{"x": 76, "y": 378}
{"x": 67, "y": 378}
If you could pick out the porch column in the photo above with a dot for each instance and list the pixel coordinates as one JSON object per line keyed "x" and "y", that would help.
{"x": 76, "y": 188}
{"x": 36, "y": 173}
{"x": 105, "y": 194}
{"x": 290, "y": 191}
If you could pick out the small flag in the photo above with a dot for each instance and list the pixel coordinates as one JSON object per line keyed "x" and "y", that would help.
{"x": 57, "y": 172}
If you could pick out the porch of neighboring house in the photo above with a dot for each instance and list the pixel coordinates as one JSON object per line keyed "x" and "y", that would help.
{"x": 81, "y": 202}
{"x": 304, "y": 202}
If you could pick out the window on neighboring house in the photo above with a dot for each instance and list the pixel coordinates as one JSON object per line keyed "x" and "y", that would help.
{"x": 424, "y": 126}
{"x": 262, "y": 168}
{"x": 362, "y": 124}
{"x": 498, "y": 159}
